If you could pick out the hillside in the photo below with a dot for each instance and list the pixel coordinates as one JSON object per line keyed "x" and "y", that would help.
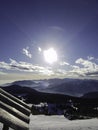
{"x": 33, "y": 96}
{"x": 57, "y": 102}
{"x": 73, "y": 87}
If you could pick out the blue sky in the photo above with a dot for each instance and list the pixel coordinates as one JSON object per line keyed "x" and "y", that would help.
{"x": 70, "y": 27}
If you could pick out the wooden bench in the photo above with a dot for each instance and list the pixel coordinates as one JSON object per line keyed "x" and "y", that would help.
{"x": 14, "y": 113}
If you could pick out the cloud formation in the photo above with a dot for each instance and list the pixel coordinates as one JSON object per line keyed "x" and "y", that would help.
{"x": 26, "y": 52}
{"x": 82, "y": 68}
{"x": 39, "y": 49}
{"x": 90, "y": 57}
{"x": 24, "y": 67}
{"x": 88, "y": 67}
{"x": 86, "y": 63}
{"x": 64, "y": 63}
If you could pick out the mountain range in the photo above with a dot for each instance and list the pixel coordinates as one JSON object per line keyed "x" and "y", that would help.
{"x": 72, "y": 87}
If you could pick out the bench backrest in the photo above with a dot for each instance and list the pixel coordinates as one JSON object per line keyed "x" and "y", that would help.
{"x": 14, "y": 113}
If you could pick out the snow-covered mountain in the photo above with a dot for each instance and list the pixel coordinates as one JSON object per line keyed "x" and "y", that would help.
{"x": 74, "y": 87}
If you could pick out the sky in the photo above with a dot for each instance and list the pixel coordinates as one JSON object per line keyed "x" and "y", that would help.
{"x": 29, "y": 28}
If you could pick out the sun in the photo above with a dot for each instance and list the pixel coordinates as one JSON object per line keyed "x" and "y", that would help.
{"x": 50, "y": 55}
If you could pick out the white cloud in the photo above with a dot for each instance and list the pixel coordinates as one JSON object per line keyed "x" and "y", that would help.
{"x": 75, "y": 67}
{"x": 26, "y": 52}
{"x": 64, "y": 63}
{"x": 12, "y": 62}
{"x": 25, "y": 67}
{"x": 86, "y": 63}
{"x": 90, "y": 58}
{"x": 4, "y": 65}
{"x": 81, "y": 68}
{"x": 88, "y": 67}
{"x": 39, "y": 49}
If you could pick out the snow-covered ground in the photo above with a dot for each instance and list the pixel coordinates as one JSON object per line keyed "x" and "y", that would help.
{"x": 41, "y": 122}
{"x": 61, "y": 123}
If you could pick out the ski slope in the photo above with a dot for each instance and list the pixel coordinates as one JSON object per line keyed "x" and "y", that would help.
{"x": 41, "y": 122}
{"x": 61, "y": 123}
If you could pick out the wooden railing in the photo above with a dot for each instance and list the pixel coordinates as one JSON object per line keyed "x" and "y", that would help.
{"x": 14, "y": 113}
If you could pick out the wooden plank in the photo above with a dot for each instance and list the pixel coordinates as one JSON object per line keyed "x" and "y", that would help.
{"x": 12, "y": 121}
{"x": 14, "y": 112}
{"x": 14, "y": 104}
{"x": 5, "y": 127}
{"x": 15, "y": 99}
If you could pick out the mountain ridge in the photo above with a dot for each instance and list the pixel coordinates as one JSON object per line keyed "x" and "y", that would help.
{"x": 73, "y": 87}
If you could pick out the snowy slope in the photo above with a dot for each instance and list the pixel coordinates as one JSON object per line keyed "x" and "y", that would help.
{"x": 60, "y": 123}
{"x": 41, "y": 122}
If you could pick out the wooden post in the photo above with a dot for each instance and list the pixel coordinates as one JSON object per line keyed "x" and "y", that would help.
{"x": 13, "y": 113}
{"x": 5, "y": 127}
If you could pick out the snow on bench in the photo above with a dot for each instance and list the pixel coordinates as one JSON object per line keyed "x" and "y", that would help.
{"x": 14, "y": 113}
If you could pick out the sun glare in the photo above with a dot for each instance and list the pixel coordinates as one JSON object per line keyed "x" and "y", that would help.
{"x": 50, "y": 55}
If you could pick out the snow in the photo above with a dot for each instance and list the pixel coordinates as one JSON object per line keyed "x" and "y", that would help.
{"x": 42, "y": 122}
